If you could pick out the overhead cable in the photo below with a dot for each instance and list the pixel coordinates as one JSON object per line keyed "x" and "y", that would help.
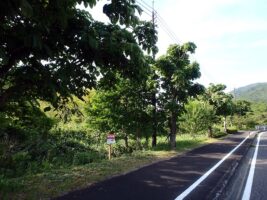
{"x": 147, "y": 9}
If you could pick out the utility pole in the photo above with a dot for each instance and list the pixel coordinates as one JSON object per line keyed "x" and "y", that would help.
{"x": 234, "y": 94}
{"x": 154, "y": 94}
{"x": 153, "y": 22}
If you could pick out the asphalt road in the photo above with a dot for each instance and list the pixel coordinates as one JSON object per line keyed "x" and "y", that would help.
{"x": 168, "y": 179}
{"x": 256, "y": 183}
{"x": 259, "y": 188}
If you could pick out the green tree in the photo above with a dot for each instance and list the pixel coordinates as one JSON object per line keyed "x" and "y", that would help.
{"x": 222, "y": 102}
{"x": 241, "y": 108}
{"x": 258, "y": 115}
{"x": 177, "y": 74}
{"x": 124, "y": 108}
{"x": 153, "y": 92}
{"x": 50, "y": 50}
{"x": 199, "y": 116}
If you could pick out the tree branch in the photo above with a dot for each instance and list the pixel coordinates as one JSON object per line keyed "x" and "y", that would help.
{"x": 18, "y": 52}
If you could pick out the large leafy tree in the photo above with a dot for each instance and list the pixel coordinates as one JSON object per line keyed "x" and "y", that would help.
{"x": 241, "y": 108}
{"x": 124, "y": 108}
{"x": 222, "y": 102}
{"x": 152, "y": 85}
{"x": 177, "y": 81}
{"x": 50, "y": 50}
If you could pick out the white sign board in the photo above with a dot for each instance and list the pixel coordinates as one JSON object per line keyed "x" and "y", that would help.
{"x": 111, "y": 139}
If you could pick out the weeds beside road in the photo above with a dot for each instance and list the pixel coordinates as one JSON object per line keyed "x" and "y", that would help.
{"x": 54, "y": 182}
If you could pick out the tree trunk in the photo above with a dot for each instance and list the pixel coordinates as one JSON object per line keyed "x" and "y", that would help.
{"x": 138, "y": 137}
{"x": 147, "y": 141}
{"x": 173, "y": 131}
{"x": 224, "y": 124}
{"x": 210, "y": 134}
{"x": 155, "y": 123}
{"x": 126, "y": 141}
{"x": 231, "y": 121}
{"x": 154, "y": 137}
{"x": 239, "y": 122}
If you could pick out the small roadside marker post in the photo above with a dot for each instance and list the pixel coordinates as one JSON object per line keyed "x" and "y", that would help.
{"x": 110, "y": 141}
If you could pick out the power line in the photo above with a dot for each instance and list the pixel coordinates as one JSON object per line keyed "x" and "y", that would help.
{"x": 144, "y": 9}
{"x": 144, "y": 6}
{"x": 149, "y": 6}
{"x": 168, "y": 32}
{"x": 149, "y": 14}
{"x": 165, "y": 24}
{"x": 161, "y": 22}
{"x": 153, "y": 21}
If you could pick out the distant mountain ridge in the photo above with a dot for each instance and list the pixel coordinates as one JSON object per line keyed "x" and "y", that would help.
{"x": 256, "y": 92}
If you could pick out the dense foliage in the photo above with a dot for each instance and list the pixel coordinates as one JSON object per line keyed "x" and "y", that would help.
{"x": 199, "y": 117}
{"x": 51, "y": 50}
{"x": 67, "y": 80}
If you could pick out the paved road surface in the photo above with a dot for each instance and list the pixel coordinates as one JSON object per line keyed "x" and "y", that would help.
{"x": 256, "y": 183}
{"x": 168, "y": 179}
{"x": 259, "y": 188}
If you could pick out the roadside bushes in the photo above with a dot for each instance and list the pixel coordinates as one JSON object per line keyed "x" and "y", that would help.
{"x": 231, "y": 130}
{"x": 33, "y": 154}
{"x": 21, "y": 126}
{"x": 8, "y": 186}
{"x": 119, "y": 148}
{"x": 217, "y": 132}
{"x": 56, "y": 148}
{"x": 82, "y": 158}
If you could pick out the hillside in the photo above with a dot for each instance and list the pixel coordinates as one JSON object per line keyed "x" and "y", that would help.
{"x": 256, "y": 92}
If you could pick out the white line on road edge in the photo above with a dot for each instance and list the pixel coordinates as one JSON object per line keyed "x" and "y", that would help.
{"x": 247, "y": 191}
{"x": 202, "y": 178}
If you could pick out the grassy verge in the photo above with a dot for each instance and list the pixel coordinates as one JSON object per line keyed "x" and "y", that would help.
{"x": 55, "y": 182}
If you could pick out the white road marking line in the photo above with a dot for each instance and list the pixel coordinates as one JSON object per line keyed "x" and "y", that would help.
{"x": 203, "y": 177}
{"x": 247, "y": 191}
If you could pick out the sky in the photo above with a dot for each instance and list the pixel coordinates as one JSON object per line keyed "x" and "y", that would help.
{"x": 231, "y": 36}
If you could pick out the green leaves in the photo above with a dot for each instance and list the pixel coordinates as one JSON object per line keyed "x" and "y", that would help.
{"x": 197, "y": 118}
{"x": 122, "y": 12}
{"x": 51, "y": 50}
{"x": 123, "y": 107}
{"x": 3, "y": 56}
{"x": 178, "y": 73}
{"x": 90, "y": 3}
{"x": 26, "y": 8}
{"x": 219, "y": 99}
{"x": 242, "y": 107}
{"x": 147, "y": 36}
{"x": 189, "y": 47}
